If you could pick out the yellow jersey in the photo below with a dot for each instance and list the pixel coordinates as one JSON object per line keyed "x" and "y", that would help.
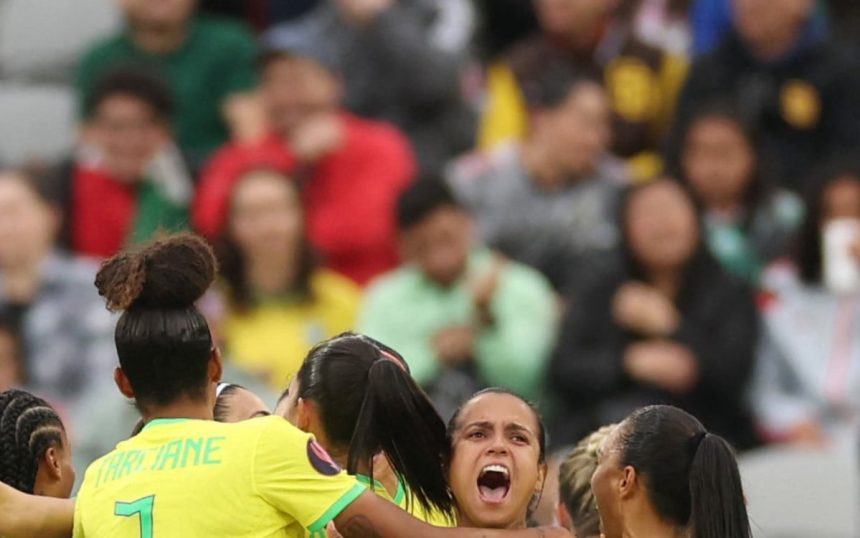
{"x": 272, "y": 338}
{"x": 261, "y": 478}
{"x": 404, "y": 498}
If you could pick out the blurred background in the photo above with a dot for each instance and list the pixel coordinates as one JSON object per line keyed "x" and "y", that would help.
{"x": 599, "y": 204}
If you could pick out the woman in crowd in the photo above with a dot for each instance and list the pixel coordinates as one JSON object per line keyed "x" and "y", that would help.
{"x": 277, "y": 303}
{"x": 662, "y": 474}
{"x": 747, "y": 223}
{"x": 498, "y": 460}
{"x": 284, "y": 482}
{"x": 36, "y": 453}
{"x": 807, "y": 383}
{"x": 356, "y": 396}
{"x": 577, "y": 509}
{"x": 672, "y": 326}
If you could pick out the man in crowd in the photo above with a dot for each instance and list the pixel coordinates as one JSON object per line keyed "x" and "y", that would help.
{"x": 462, "y": 315}
{"x": 351, "y": 169}
{"x": 127, "y": 180}
{"x": 393, "y": 72}
{"x": 549, "y": 201}
{"x": 589, "y": 36}
{"x": 794, "y": 84}
{"x": 208, "y": 63}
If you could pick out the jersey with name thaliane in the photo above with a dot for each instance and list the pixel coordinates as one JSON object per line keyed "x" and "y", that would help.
{"x": 261, "y": 478}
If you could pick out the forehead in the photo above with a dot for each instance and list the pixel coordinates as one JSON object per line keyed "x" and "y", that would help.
{"x": 499, "y": 410}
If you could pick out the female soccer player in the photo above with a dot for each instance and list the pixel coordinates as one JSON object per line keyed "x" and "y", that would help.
{"x": 498, "y": 462}
{"x": 356, "y": 396}
{"x": 660, "y": 473}
{"x": 235, "y": 403}
{"x": 187, "y": 475}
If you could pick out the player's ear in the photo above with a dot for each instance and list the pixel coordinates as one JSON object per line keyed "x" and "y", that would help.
{"x": 216, "y": 368}
{"x": 122, "y": 383}
{"x": 306, "y": 413}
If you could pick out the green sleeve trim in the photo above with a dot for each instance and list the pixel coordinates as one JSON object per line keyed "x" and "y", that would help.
{"x": 400, "y": 496}
{"x": 335, "y": 509}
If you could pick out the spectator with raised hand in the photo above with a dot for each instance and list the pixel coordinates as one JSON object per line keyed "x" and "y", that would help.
{"x": 749, "y": 222}
{"x": 49, "y": 299}
{"x": 273, "y": 303}
{"x": 350, "y": 169}
{"x": 795, "y": 85}
{"x": 208, "y": 63}
{"x": 807, "y": 384}
{"x": 671, "y": 326}
{"x": 642, "y": 81}
{"x": 461, "y": 315}
{"x": 392, "y": 71}
{"x": 549, "y": 202}
{"x": 127, "y": 180}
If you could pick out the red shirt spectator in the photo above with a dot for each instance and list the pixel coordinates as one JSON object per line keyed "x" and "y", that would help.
{"x": 349, "y": 197}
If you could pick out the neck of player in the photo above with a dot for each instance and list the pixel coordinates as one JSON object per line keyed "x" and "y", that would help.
{"x": 183, "y": 407}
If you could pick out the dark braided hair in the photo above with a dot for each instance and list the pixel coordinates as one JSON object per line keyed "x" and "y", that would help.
{"x": 28, "y": 428}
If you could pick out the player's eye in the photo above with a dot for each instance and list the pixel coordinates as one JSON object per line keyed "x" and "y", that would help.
{"x": 477, "y": 434}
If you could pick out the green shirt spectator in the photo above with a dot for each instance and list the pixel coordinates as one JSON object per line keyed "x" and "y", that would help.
{"x": 455, "y": 307}
{"x": 213, "y": 62}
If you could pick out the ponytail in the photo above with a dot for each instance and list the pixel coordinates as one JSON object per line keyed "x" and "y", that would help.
{"x": 398, "y": 419}
{"x": 717, "y": 508}
{"x": 369, "y": 404}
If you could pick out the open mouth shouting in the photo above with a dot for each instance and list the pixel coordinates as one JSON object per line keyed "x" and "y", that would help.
{"x": 494, "y": 483}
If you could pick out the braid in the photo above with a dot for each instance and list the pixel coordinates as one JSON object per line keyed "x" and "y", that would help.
{"x": 28, "y": 428}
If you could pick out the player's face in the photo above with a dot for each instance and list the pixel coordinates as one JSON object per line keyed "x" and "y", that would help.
{"x": 604, "y": 484}
{"x": 55, "y": 476}
{"x": 495, "y": 468}
{"x": 243, "y": 405}
{"x": 288, "y": 407}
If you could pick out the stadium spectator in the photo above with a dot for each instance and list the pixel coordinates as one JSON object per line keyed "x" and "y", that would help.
{"x": 671, "y": 326}
{"x": 37, "y": 455}
{"x": 126, "y": 181}
{"x": 589, "y": 36}
{"x": 392, "y": 71}
{"x": 749, "y": 222}
{"x": 260, "y": 14}
{"x": 661, "y": 473}
{"x": 549, "y": 202}
{"x": 794, "y": 83}
{"x": 498, "y": 463}
{"x": 275, "y": 303}
{"x": 209, "y": 64}
{"x": 807, "y": 388}
{"x": 351, "y": 169}
{"x": 460, "y": 314}
{"x": 577, "y": 508}
{"x": 11, "y": 355}
{"x": 65, "y": 330}
{"x": 664, "y": 24}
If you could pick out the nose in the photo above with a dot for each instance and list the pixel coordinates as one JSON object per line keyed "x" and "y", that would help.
{"x": 498, "y": 446}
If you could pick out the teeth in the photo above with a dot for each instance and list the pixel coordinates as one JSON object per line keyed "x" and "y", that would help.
{"x": 497, "y": 469}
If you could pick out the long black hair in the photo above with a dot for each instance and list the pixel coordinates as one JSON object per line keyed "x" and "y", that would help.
{"x": 28, "y": 428}
{"x": 691, "y": 475}
{"x": 760, "y": 185}
{"x": 163, "y": 341}
{"x": 808, "y": 251}
{"x": 233, "y": 266}
{"x": 369, "y": 402}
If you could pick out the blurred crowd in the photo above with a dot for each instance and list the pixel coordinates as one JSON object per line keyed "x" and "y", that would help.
{"x": 598, "y": 204}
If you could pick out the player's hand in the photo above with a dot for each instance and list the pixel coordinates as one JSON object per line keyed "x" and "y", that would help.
{"x": 362, "y": 12}
{"x": 668, "y": 365}
{"x": 643, "y": 309}
{"x": 455, "y": 344}
{"x": 317, "y": 137}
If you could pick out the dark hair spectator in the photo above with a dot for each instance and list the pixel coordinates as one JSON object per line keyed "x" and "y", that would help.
{"x": 671, "y": 326}
{"x": 461, "y": 315}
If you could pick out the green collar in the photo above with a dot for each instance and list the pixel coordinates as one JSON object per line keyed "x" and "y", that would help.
{"x": 163, "y": 422}
{"x": 377, "y": 485}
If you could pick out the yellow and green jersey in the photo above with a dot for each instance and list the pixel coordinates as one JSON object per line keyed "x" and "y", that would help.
{"x": 404, "y": 498}
{"x": 261, "y": 478}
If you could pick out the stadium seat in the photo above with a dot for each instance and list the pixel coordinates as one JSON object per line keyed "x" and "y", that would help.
{"x": 41, "y": 40}
{"x": 38, "y": 123}
{"x": 797, "y": 493}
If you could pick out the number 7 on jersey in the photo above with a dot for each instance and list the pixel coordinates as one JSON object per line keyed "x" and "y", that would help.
{"x": 142, "y": 507}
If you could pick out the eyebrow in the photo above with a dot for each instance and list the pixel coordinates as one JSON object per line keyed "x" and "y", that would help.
{"x": 511, "y": 426}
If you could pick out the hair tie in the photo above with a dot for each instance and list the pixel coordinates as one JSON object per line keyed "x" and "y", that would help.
{"x": 696, "y": 441}
{"x": 221, "y": 388}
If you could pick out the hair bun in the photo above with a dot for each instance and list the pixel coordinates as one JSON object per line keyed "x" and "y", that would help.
{"x": 169, "y": 273}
